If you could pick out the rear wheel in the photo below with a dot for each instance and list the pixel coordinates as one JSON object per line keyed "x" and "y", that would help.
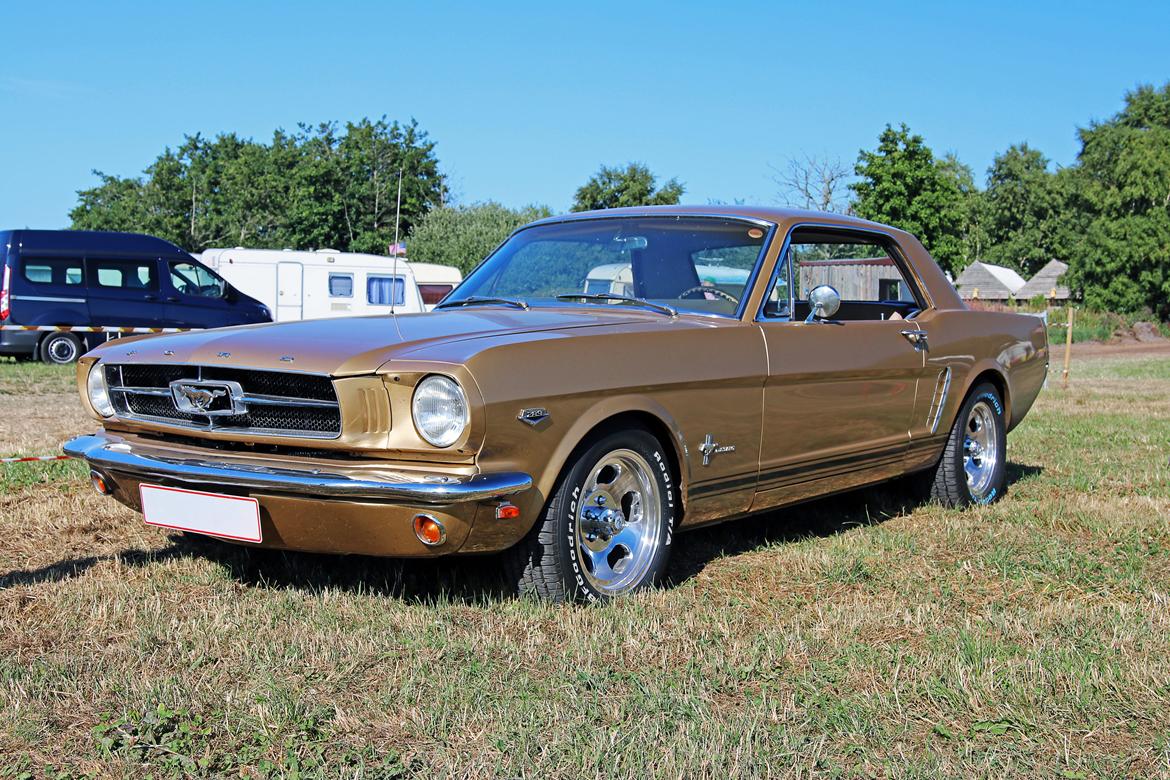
{"x": 971, "y": 470}
{"x": 60, "y": 349}
{"x": 607, "y": 530}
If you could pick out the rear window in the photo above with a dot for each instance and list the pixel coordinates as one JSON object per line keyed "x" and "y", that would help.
{"x": 433, "y": 293}
{"x": 61, "y": 271}
{"x": 124, "y": 274}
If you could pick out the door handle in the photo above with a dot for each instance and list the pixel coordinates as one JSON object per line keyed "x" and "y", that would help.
{"x": 916, "y": 337}
{"x": 171, "y": 299}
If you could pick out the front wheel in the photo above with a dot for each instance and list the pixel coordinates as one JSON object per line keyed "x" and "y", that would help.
{"x": 607, "y": 530}
{"x": 971, "y": 470}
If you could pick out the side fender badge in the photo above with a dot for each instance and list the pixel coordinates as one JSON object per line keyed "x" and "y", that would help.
{"x": 533, "y": 417}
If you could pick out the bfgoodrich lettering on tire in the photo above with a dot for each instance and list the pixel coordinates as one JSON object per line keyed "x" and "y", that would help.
{"x": 607, "y": 529}
{"x": 971, "y": 470}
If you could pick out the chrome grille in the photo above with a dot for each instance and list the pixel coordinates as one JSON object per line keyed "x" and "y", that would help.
{"x": 271, "y": 403}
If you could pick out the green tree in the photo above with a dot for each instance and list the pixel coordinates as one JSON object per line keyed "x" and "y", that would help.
{"x": 314, "y": 188}
{"x": 461, "y": 236}
{"x": 633, "y": 185}
{"x": 1122, "y": 185}
{"x": 1022, "y": 210}
{"x": 902, "y": 184}
{"x": 968, "y": 210}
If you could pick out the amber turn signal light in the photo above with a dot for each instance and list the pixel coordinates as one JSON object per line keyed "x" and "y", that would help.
{"x": 99, "y": 483}
{"x": 507, "y": 512}
{"x": 429, "y": 530}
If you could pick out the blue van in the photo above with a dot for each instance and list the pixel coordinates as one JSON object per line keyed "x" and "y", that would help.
{"x": 77, "y": 277}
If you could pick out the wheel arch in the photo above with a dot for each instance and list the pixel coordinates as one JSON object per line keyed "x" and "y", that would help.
{"x": 617, "y": 415}
{"x": 994, "y": 376}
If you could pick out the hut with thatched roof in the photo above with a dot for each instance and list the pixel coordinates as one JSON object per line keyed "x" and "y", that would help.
{"x": 987, "y": 282}
{"x": 1046, "y": 282}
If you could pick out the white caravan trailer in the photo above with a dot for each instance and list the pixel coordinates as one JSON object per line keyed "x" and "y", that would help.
{"x": 311, "y": 285}
{"x": 435, "y": 281}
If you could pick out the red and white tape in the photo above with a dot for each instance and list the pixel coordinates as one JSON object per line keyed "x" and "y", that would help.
{"x": 93, "y": 329}
{"x": 34, "y": 459}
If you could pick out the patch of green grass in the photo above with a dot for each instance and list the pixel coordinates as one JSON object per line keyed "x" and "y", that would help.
{"x": 15, "y": 477}
{"x": 34, "y": 377}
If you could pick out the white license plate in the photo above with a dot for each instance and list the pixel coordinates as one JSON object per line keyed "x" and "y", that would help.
{"x": 229, "y": 517}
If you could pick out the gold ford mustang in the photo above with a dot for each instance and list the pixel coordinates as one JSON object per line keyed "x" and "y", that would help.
{"x": 598, "y": 383}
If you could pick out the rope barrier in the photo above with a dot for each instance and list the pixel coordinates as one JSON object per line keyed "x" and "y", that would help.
{"x": 93, "y": 329}
{"x": 34, "y": 459}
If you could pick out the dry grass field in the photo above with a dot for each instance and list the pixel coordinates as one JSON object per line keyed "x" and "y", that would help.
{"x": 862, "y": 636}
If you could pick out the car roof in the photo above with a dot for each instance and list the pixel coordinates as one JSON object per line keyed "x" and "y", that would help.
{"x": 779, "y": 216}
{"x": 92, "y": 242}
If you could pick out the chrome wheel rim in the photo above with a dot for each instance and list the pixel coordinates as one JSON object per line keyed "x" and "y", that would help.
{"x": 619, "y": 522}
{"x": 980, "y": 449}
{"x": 62, "y": 350}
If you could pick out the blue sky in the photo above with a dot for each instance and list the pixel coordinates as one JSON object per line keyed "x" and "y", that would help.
{"x": 525, "y": 101}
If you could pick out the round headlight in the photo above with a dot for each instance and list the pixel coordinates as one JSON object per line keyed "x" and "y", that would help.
{"x": 440, "y": 410}
{"x": 99, "y": 397}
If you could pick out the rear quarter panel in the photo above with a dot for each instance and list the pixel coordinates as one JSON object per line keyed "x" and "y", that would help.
{"x": 1012, "y": 347}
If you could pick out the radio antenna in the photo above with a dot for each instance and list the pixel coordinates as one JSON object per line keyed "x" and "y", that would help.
{"x": 394, "y": 268}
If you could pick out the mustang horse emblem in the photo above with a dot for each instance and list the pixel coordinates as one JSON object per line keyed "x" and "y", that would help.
{"x": 198, "y": 398}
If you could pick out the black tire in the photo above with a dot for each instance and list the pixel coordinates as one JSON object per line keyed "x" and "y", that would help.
{"x": 60, "y": 349}
{"x": 949, "y": 484}
{"x": 548, "y": 563}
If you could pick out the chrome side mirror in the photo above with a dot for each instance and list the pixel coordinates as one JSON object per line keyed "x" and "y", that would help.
{"x": 823, "y": 302}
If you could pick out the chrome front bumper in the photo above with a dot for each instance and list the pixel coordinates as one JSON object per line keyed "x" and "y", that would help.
{"x": 121, "y": 457}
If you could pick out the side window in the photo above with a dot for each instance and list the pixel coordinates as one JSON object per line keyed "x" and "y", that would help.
{"x": 340, "y": 285}
{"x": 385, "y": 290}
{"x": 124, "y": 274}
{"x": 193, "y": 279}
{"x": 66, "y": 272}
{"x": 864, "y": 269}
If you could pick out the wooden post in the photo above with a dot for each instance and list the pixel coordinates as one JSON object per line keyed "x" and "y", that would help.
{"x": 1067, "y": 347}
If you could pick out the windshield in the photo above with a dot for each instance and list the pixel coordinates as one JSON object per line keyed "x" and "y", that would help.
{"x": 694, "y": 264}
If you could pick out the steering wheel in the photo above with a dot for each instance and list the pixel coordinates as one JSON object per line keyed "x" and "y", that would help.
{"x": 718, "y": 293}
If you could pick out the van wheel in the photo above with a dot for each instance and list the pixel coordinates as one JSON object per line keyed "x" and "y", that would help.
{"x": 60, "y": 349}
{"x": 606, "y": 532}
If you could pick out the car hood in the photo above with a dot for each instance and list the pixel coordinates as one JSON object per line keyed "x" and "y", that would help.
{"x": 350, "y": 345}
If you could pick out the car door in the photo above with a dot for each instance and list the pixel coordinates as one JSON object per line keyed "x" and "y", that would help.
{"x": 196, "y": 297}
{"x": 124, "y": 291}
{"x": 841, "y": 391}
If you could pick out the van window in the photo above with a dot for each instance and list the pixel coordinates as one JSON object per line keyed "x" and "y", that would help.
{"x": 124, "y": 274}
{"x": 340, "y": 285}
{"x": 193, "y": 279}
{"x": 385, "y": 290}
{"x": 53, "y": 271}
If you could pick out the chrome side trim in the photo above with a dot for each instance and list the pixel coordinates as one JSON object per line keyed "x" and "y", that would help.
{"x": 118, "y": 457}
{"x": 47, "y": 299}
{"x": 942, "y": 386}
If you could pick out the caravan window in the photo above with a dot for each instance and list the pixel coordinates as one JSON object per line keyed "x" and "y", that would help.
{"x": 341, "y": 286}
{"x": 385, "y": 290}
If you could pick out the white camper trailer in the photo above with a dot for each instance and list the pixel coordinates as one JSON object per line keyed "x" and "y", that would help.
{"x": 435, "y": 281}
{"x": 323, "y": 283}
